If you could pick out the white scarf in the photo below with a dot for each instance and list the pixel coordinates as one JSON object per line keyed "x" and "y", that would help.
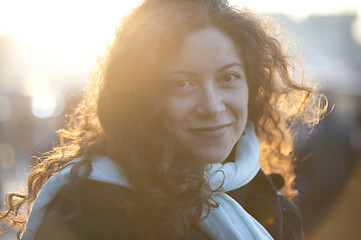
{"x": 228, "y": 221}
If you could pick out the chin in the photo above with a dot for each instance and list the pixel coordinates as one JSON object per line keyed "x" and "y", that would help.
{"x": 213, "y": 153}
{"x": 216, "y": 158}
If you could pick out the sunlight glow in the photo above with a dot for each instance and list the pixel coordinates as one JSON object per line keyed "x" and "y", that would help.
{"x": 77, "y": 26}
{"x": 37, "y": 81}
{"x": 66, "y": 27}
{"x": 72, "y": 35}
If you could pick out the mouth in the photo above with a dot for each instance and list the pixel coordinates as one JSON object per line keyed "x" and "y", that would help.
{"x": 210, "y": 132}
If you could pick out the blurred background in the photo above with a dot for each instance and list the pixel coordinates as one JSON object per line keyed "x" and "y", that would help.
{"x": 48, "y": 49}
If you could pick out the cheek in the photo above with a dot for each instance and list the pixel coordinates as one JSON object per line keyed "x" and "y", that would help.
{"x": 175, "y": 113}
{"x": 173, "y": 110}
{"x": 239, "y": 108}
{"x": 239, "y": 102}
{"x": 244, "y": 107}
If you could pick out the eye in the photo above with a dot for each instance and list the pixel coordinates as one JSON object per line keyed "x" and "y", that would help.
{"x": 182, "y": 83}
{"x": 181, "y": 86}
{"x": 230, "y": 77}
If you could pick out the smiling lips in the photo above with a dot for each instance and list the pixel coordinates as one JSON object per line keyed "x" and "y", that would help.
{"x": 211, "y": 132}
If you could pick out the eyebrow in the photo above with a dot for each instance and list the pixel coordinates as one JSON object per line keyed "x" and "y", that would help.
{"x": 189, "y": 73}
{"x": 229, "y": 66}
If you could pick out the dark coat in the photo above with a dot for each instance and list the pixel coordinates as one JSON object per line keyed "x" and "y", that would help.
{"x": 104, "y": 217}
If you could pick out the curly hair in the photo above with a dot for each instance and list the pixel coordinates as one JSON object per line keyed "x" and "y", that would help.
{"x": 119, "y": 114}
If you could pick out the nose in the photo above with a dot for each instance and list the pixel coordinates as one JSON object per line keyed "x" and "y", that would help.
{"x": 210, "y": 102}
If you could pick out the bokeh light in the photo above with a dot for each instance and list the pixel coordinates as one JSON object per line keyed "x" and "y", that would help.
{"x": 47, "y": 104}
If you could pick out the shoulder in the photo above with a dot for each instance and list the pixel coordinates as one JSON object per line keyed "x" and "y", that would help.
{"x": 107, "y": 211}
{"x": 279, "y": 215}
{"x": 292, "y": 219}
{"x": 104, "y": 206}
{"x": 98, "y": 210}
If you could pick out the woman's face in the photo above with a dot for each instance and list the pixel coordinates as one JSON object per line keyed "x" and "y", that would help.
{"x": 205, "y": 109}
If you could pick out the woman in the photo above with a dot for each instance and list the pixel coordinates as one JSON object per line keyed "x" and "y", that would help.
{"x": 163, "y": 145}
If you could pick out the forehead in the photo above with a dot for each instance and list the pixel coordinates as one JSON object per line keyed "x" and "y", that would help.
{"x": 205, "y": 48}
